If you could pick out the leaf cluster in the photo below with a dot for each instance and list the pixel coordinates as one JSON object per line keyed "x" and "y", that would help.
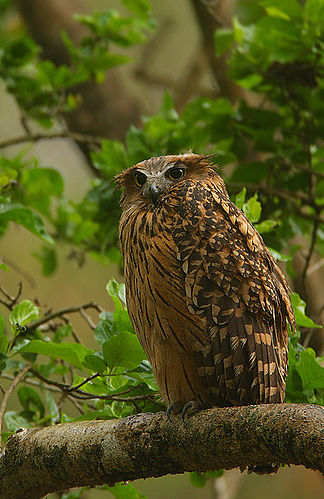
{"x": 113, "y": 380}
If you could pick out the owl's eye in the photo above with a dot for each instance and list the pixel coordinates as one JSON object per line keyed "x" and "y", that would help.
{"x": 175, "y": 173}
{"x": 140, "y": 179}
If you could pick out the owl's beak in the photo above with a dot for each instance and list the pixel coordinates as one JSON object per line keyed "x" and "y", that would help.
{"x": 155, "y": 193}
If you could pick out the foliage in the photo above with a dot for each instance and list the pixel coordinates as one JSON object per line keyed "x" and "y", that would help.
{"x": 100, "y": 377}
{"x": 274, "y": 146}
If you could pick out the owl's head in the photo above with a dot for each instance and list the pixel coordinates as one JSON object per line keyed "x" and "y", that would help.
{"x": 149, "y": 180}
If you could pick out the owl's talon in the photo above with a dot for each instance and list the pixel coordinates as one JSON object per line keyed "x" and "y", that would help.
{"x": 175, "y": 407}
{"x": 168, "y": 412}
{"x": 191, "y": 406}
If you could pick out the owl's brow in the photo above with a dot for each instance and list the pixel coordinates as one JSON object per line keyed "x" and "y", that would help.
{"x": 139, "y": 170}
{"x": 179, "y": 162}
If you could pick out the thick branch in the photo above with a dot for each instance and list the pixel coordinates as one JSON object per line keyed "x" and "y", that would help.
{"x": 37, "y": 462}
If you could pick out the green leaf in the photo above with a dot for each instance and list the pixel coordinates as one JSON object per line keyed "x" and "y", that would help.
{"x": 214, "y": 474}
{"x": 42, "y": 183}
{"x": 294, "y": 386}
{"x": 23, "y": 314}
{"x": 74, "y": 353}
{"x": 266, "y": 226}
{"x": 141, "y": 8}
{"x": 124, "y": 350}
{"x": 117, "y": 292}
{"x": 47, "y": 257}
{"x": 274, "y": 12}
{"x": 197, "y": 479}
{"x": 167, "y": 110}
{"x": 104, "y": 330}
{"x": 25, "y": 217}
{"x": 14, "y": 421}
{"x": 240, "y": 198}
{"x": 62, "y": 332}
{"x": 311, "y": 373}
{"x": 299, "y": 308}
{"x": 279, "y": 256}
{"x": 111, "y": 159}
{"x": 3, "y": 343}
{"x": 252, "y": 209}
{"x": 3, "y": 356}
{"x": 30, "y": 400}
{"x": 314, "y": 12}
{"x": 53, "y": 409}
{"x": 125, "y": 491}
{"x": 122, "y": 321}
{"x": 223, "y": 39}
{"x": 286, "y": 9}
{"x": 95, "y": 363}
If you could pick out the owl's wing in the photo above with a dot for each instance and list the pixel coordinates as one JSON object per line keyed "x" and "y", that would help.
{"x": 234, "y": 284}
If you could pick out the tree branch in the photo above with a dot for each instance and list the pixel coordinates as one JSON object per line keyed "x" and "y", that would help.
{"x": 7, "y": 394}
{"x": 39, "y": 461}
{"x": 65, "y": 134}
{"x": 60, "y": 313}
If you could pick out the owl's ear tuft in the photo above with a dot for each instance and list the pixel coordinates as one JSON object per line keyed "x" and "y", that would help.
{"x": 212, "y": 159}
{"x": 119, "y": 179}
{"x": 199, "y": 161}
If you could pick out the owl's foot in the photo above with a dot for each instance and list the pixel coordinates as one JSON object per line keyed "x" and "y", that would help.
{"x": 175, "y": 408}
{"x": 190, "y": 408}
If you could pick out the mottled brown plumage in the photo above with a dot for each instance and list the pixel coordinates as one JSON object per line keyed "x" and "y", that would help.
{"x": 206, "y": 298}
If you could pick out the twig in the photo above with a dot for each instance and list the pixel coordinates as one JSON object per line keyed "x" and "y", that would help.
{"x": 62, "y": 312}
{"x": 32, "y": 383}
{"x": 5, "y": 303}
{"x": 4, "y": 292}
{"x": 114, "y": 397}
{"x": 11, "y": 388}
{"x": 76, "y": 405}
{"x": 82, "y": 395}
{"x": 12, "y": 300}
{"x": 85, "y": 381}
{"x": 88, "y": 319}
{"x": 74, "y": 334}
{"x": 66, "y": 134}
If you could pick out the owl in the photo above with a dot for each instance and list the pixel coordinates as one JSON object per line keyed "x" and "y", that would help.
{"x": 207, "y": 300}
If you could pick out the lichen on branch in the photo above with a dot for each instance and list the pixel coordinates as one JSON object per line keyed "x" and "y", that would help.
{"x": 39, "y": 461}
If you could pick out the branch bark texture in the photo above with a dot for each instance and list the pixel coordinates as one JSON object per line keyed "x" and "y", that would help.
{"x": 39, "y": 461}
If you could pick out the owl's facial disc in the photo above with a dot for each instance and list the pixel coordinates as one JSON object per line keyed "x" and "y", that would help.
{"x": 153, "y": 185}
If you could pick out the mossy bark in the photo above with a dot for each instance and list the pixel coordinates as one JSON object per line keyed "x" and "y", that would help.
{"x": 39, "y": 461}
